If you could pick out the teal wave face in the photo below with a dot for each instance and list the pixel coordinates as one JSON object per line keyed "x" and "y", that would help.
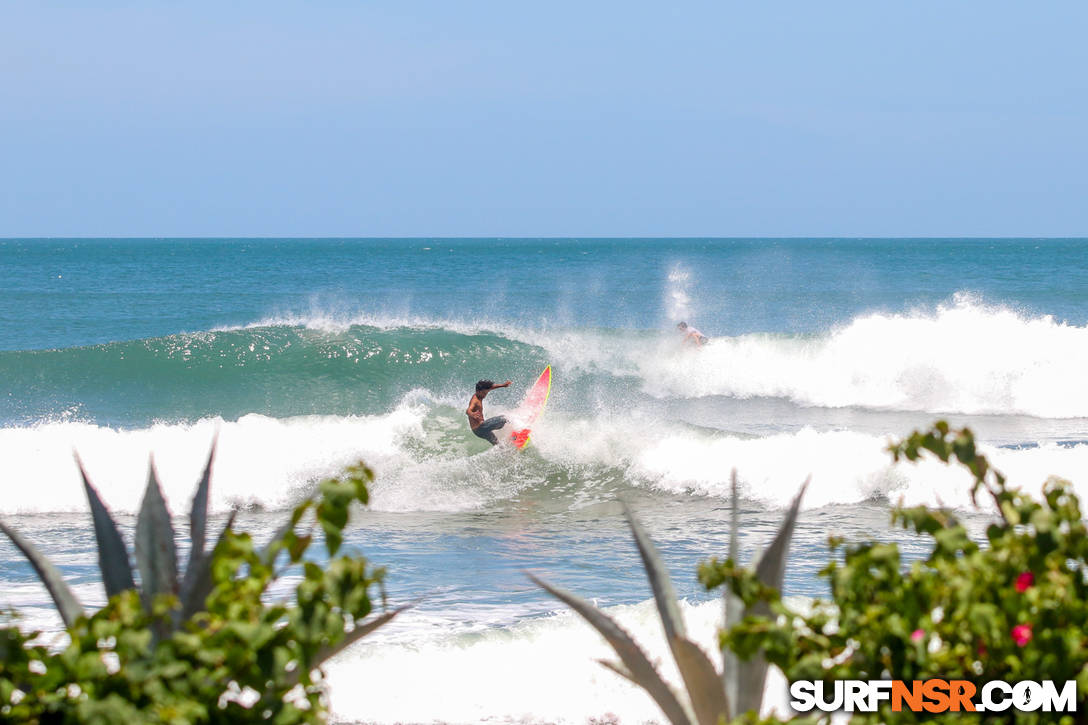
{"x": 963, "y": 357}
{"x": 278, "y": 371}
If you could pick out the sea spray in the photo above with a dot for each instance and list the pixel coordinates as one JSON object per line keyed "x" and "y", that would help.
{"x": 426, "y": 460}
{"x": 963, "y": 357}
{"x": 677, "y": 294}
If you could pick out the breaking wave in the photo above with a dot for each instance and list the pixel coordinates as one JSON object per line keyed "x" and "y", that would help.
{"x": 963, "y": 357}
{"x": 426, "y": 460}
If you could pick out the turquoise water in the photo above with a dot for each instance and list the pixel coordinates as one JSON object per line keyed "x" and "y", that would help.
{"x": 307, "y": 355}
{"x": 130, "y": 331}
{"x": 64, "y": 293}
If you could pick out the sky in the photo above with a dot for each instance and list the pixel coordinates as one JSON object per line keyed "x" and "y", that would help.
{"x": 320, "y": 118}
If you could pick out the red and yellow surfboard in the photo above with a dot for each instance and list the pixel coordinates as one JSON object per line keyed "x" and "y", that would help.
{"x": 531, "y": 407}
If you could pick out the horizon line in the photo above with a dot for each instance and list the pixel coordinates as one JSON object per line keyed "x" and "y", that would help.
{"x": 534, "y": 238}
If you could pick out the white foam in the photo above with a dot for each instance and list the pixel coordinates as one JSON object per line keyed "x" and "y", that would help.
{"x": 449, "y": 484}
{"x": 333, "y": 320}
{"x": 426, "y": 462}
{"x": 260, "y": 459}
{"x": 964, "y": 357}
{"x": 35, "y": 608}
{"x": 541, "y": 670}
{"x": 846, "y": 467}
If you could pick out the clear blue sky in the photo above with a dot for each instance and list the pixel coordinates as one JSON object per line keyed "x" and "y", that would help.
{"x": 469, "y": 118}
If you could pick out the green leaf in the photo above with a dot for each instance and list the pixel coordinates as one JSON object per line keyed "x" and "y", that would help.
{"x": 67, "y": 604}
{"x": 333, "y": 537}
{"x": 360, "y": 631}
{"x": 197, "y": 584}
{"x": 641, "y": 670}
{"x": 156, "y": 557}
{"x": 112, "y": 555}
{"x": 275, "y": 545}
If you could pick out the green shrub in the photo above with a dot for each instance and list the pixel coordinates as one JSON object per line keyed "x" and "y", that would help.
{"x": 1013, "y": 609}
{"x": 210, "y": 646}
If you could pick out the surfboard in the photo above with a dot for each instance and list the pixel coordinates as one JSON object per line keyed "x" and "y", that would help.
{"x": 531, "y": 407}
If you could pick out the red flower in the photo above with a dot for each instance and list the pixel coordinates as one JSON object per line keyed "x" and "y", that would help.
{"x": 1024, "y": 581}
{"x": 917, "y": 634}
{"x": 1021, "y": 634}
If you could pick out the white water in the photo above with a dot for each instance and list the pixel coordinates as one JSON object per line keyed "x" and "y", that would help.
{"x": 260, "y": 460}
{"x": 540, "y": 670}
{"x": 425, "y": 462}
{"x": 964, "y": 356}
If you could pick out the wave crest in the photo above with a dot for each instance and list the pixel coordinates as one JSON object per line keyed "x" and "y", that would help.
{"x": 965, "y": 357}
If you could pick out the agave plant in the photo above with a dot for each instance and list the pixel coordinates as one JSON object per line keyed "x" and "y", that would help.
{"x": 203, "y": 645}
{"x": 709, "y": 696}
{"x": 155, "y": 552}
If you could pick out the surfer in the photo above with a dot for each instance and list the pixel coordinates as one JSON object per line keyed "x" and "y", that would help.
{"x": 484, "y": 428}
{"x": 692, "y": 335}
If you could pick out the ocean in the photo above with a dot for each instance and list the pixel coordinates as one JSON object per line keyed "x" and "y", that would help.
{"x": 309, "y": 354}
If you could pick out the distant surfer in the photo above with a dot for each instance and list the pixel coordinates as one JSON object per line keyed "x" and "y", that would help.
{"x": 484, "y": 428}
{"x": 692, "y": 335}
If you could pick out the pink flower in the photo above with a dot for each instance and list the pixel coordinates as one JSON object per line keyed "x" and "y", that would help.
{"x": 1024, "y": 581}
{"x": 1021, "y": 634}
{"x": 917, "y": 635}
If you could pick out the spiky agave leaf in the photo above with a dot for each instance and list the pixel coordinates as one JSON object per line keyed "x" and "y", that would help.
{"x": 112, "y": 554}
{"x": 156, "y": 555}
{"x": 703, "y": 685}
{"x": 198, "y": 512}
{"x": 658, "y": 574}
{"x": 272, "y": 548}
{"x": 771, "y": 570}
{"x": 196, "y": 585}
{"x": 639, "y": 669}
{"x": 67, "y": 604}
{"x": 702, "y": 680}
{"x": 620, "y": 670}
{"x": 360, "y": 631}
{"x": 733, "y": 604}
{"x": 196, "y": 582}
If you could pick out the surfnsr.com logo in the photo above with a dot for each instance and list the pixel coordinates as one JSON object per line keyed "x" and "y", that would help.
{"x": 932, "y": 696}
